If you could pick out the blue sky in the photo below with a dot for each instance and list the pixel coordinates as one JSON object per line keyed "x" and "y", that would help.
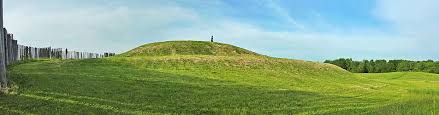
{"x": 297, "y": 29}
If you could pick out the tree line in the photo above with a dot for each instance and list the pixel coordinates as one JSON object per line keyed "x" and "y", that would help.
{"x": 383, "y": 66}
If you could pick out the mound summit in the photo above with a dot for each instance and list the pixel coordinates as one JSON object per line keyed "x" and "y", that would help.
{"x": 168, "y": 48}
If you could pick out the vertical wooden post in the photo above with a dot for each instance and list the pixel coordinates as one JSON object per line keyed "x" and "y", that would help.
{"x": 8, "y": 49}
{"x": 3, "y": 79}
{"x": 14, "y": 50}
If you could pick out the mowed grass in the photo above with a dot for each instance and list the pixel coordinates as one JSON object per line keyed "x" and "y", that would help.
{"x": 421, "y": 92}
{"x": 211, "y": 83}
{"x": 178, "y": 85}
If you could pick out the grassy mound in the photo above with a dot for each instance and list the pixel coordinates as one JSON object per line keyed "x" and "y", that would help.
{"x": 185, "y": 84}
{"x": 187, "y": 48}
{"x": 196, "y": 82}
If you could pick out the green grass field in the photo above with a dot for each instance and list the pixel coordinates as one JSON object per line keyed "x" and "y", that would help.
{"x": 210, "y": 78}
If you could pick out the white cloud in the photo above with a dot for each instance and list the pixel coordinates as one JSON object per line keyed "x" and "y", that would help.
{"x": 416, "y": 19}
{"x": 301, "y": 45}
{"x": 93, "y": 28}
{"x": 118, "y": 27}
{"x": 284, "y": 14}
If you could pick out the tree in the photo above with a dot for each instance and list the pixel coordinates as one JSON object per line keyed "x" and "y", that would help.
{"x": 342, "y": 62}
{"x": 405, "y": 66}
{"x": 382, "y": 66}
{"x": 420, "y": 66}
{"x": 361, "y": 68}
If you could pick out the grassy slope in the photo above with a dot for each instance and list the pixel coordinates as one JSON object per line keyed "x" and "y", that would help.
{"x": 421, "y": 92}
{"x": 205, "y": 83}
{"x": 187, "y": 48}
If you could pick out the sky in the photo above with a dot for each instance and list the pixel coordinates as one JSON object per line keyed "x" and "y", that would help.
{"x": 297, "y": 29}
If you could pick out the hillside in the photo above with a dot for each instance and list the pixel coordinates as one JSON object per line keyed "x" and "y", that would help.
{"x": 187, "y": 48}
{"x": 181, "y": 77}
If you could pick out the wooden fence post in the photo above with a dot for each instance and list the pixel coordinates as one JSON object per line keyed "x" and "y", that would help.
{"x": 8, "y": 48}
{"x": 3, "y": 79}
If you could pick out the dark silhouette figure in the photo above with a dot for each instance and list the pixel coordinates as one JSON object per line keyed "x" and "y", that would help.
{"x": 211, "y": 39}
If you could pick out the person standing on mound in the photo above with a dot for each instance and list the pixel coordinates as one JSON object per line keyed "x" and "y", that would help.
{"x": 211, "y": 39}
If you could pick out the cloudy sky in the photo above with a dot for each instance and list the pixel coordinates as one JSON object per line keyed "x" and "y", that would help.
{"x": 297, "y": 29}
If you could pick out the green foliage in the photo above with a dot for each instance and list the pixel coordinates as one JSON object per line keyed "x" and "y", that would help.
{"x": 383, "y": 66}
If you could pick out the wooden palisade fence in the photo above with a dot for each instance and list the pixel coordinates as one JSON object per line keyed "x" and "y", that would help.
{"x": 11, "y": 52}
